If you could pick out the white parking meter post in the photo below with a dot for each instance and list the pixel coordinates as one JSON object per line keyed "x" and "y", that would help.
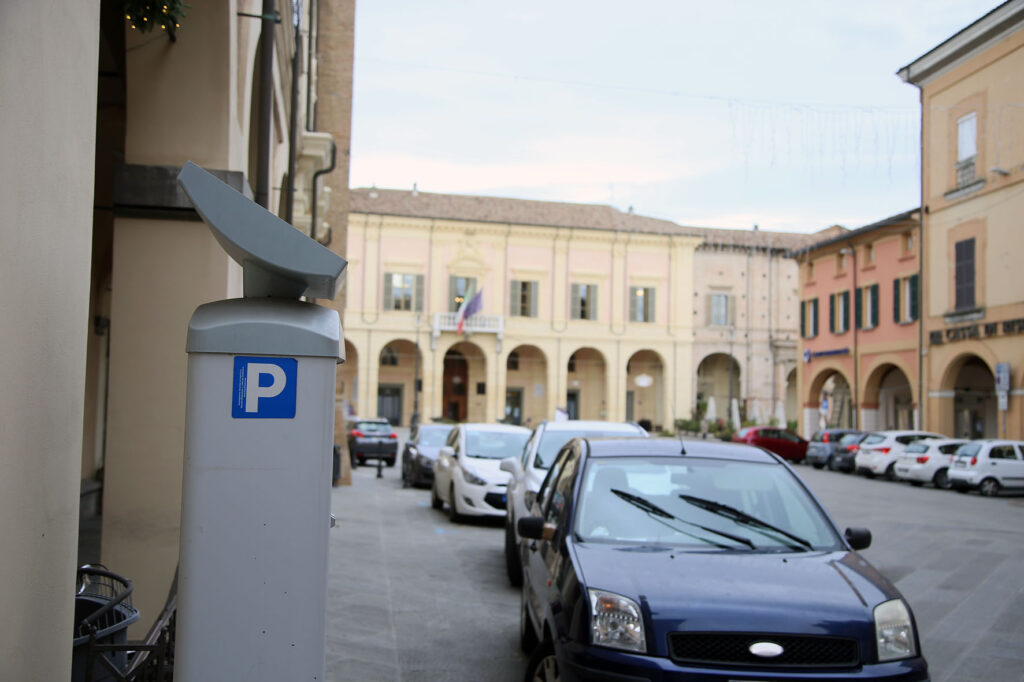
{"x": 259, "y": 436}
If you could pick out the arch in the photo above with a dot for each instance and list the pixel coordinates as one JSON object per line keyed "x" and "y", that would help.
{"x": 888, "y": 398}
{"x": 718, "y": 383}
{"x": 973, "y": 412}
{"x": 645, "y": 389}
{"x": 875, "y": 374}
{"x": 347, "y": 386}
{"x": 464, "y": 383}
{"x": 526, "y": 376}
{"x": 830, "y": 384}
{"x": 586, "y": 383}
{"x": 399, "y": 364}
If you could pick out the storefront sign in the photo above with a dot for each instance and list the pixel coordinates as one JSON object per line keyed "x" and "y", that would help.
{"x": 975, "y": 331}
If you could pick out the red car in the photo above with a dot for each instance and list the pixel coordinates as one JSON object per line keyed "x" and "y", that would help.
{"x": 782, "y": 442}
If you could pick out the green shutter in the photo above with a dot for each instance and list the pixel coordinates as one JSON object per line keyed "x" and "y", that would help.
{"x": 803, "y": 319}
{"x": 846, "y": 310}
{"x": 389, "y": 302}
{"x": 515, "y": 291}
{"x": 858, "y": 308}
{"x": 896, "y": 301}
{"x": 814, "y": 327}
{"x": 832, "y": 313}
{"x": 418, "y": 296}
{"x": 873, "y": 310}
{"x": 533, "y": 299}
{"x": 914, "y": 293}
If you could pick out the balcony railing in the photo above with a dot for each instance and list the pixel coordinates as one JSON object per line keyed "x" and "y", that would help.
{"x": 477, "y": 324}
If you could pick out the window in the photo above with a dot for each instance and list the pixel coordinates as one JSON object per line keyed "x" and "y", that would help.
{"x": 584, "y": 301}
{"x": 905, "y": 299}
{"x": 840, "y": 261}
{"x": 966, "y": 148}
{"x": 641, "y": 304}
{"x": 809, "y": 318}
{"x": 522, "y": 299}
{"x": 719, "y": 310}
{"x": 388, "y": 357}
{"x": 403, "y": 292}
{"x": 839, "y": 312}
{"x": 964, "y": 274}
{"x": 459, "y": 289}
{"x": 865, "y": 315}
{"x": 513, "y": 361}
{"x": 869, "y": 254}
{"x": 810, "y": 271}
{"x": 908, "y": 242}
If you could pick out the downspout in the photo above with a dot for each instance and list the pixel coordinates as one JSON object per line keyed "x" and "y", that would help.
{"x": 266, "y": 103}
{"x": 293, "y": 131}
{"x": 309, "y": 70}
{"x": 316, "y": 176}
{"x": 856, "y": 354}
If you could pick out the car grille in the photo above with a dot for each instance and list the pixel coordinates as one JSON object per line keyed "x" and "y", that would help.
{"x": 728, "y": 648}
{"x": 496, "y": 500}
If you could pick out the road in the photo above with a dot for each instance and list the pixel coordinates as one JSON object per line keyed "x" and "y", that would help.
{"x": 414, "y": 597}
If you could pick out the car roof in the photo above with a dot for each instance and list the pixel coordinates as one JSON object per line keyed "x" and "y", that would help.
{"x": 905, "y": 432}
{"x": 369, "y": 419}
{"x": 488, "y": 426}
{"x": 580, "y": 424}
{"x": 673, "y": 447}
{"x": 942, "y": 441}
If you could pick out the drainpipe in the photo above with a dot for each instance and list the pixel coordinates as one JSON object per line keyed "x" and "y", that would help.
{"x": 309, "y": 70}
{"x": 856, "y": 355}
{"x": 266, "y": 104}
{"x": 293, "y": 131}
{"x": 316, "y": 176}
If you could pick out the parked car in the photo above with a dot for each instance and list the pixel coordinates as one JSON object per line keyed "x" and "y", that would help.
{"x": 531, "y": 466}
{"x": 927, "y": 461}
{"x": 876, "y": 454}
{"x": 824, "y": 444}
{"x": 467, "y": 474}
{"x": 371, "y": 438}
{"x": 661, "y": 559}
{"x": 843, "y": 457}
{"x": 420, "y": 453}
{"x": 782, "y": 442}
{"x": 988, "y": 466}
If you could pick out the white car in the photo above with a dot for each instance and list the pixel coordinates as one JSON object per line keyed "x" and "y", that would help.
{"x": 989, "y": 466}
{"x": 927, "y": 461}
{"x": 467, "y": 475}
{"x": 879, "y": 450}
{"x": 530, "y": 467}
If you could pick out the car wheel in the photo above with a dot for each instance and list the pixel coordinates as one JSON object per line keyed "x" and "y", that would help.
{"x": 890, "y": 472}
{"x": 819, "y": 465}
{"x": 435, "y": 500}
{"x": 360, "y": 461}
{"x": 941, "y": 479}
{"x": 831, "y": 463}
{"x": 917, "y": 484}
{"x": 513, "y": 566}
{"x": 453, "y": 514}
{"x": 390, "y": 462}
{"x": 543, "y": 665}
{"x": 527, "y": 637}
{"x": 406, "y": 477}
{"x": 989, "y": 487}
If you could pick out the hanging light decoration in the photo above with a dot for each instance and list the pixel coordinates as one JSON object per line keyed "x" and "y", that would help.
{"x": 146, "y": 15}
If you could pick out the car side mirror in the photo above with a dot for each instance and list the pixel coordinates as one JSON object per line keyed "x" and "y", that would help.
{"x": 509, "y": 464}
{"x": 858, "y": 538}
{"x": 534, "y": 528}
{"x": 446, "y": 450}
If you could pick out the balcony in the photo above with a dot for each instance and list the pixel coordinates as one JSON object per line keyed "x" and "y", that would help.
{"x": 477, "y": 324}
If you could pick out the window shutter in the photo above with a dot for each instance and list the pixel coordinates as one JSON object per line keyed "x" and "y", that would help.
{"x": 873, "y": 311}
{"x": 846, "y": 310}
{"x": 858, "y": 308}
{"x": 418, "y": 296}
{"x": 574, "y": 301}
{"x": 814, "y": 322}
{"x": 633, "y": 315}
{"x": 515, "y": 292}
{"x": 730, "y": 309}
{"x": 389, "y": 302}
{"x": 453, "y": 291}
{"x": 896, "y": 316}
{"x": 592, "y": 290}
{"x": 803, "y": 318}
{"x": 649, "y": 299}
{"x": 832, "y": 313}
{"x": 533, "y": 299}
{"x": 708, "y": 309}
{"x": 914, "y": 293}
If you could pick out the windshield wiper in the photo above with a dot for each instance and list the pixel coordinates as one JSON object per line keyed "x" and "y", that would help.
{"x": 742, "y": 517}
{"x": 654, "y": 510}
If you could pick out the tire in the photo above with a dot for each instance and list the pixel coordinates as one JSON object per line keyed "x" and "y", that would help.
{"x": 818, "y": 465}
{"x": 916, "y": 484}
{"x": 406, "y": 477}
{"x": 360, "y": 461}
{"x": 435, "y": 501}
{"x": 890, "y": 472}
{"x": 528, "y": 639}
{"x": 453, "y": 514}
{"x": 989, "y": 487}
{"x": 941, "y": 479}
{"x": 353, "y": 459}
{"x": 390, "y": 462}
{"x": 543, "y": 666}
{"x": 831, "y": 463}
{"x": 513, "y": 564}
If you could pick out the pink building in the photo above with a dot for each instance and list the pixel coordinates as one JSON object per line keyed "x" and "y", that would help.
{"x": 859, "y": 332}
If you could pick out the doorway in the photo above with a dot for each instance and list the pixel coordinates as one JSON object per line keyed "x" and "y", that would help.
{"x": 514, "y": 406}
{"x": 389, "y": 403}
{"x": 572, "y": 404}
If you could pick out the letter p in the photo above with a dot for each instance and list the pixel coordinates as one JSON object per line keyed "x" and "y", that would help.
{"x": 254, "y": 391}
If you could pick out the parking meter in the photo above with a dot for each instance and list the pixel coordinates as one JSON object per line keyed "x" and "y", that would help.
{"x": 259, "y": 436}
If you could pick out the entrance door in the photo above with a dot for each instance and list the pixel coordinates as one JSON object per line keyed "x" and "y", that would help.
{"x": 572, "y": 404}
{"x": 389, "y": 403}
{"x": 514, "y": 406}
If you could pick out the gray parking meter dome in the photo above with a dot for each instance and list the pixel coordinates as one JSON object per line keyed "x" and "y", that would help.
{"x": 277, "y": 260}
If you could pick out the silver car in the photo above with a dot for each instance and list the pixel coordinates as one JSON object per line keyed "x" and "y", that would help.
{"x": 529, "y": 469}
{"x": 988, "y": 466}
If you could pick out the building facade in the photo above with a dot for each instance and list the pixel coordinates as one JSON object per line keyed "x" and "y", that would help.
{"x": 859, "y": 328}
{"x": 972, "y": 150}
{"x": 586, "y": 309}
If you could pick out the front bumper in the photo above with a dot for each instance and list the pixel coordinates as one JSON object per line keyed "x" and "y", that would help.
{"x": 587, "y": 663}
{"x": 481, "y": 500}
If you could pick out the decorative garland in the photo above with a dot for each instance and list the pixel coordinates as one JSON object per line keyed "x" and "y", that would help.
{"x": 145, "y": 15}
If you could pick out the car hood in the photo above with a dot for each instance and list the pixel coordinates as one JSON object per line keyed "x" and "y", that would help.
{"x": 487, "y": 468}
{"x": 428, "y": 451}
{"x": 823, "y": 593}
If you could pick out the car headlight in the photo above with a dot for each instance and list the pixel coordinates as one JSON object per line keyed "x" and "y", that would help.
{"x": 472, "y": 478}
{"x": 616, "y": 622}
{"x": 894, "y": 631}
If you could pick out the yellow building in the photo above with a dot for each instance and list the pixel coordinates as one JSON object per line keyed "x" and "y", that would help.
{"x": 972, "y": 150}
{"x": 104, "y": 262}
{"x": 587, "y": 309}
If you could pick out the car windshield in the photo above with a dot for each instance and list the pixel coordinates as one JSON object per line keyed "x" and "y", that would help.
{"x": 374, "y": 427}
{"x": 699, "y": 504}
{"x": 851, "y": 439}
{"x": 553, "y": 440}
{"x": 432, "y": 437}
{"x": 968, "y": 450}
{"x": 495, "y": 444}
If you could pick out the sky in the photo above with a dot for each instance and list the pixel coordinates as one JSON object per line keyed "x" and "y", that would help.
{"x": 786, "y": 114}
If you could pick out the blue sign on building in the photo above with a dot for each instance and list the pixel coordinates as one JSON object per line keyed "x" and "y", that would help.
{"x": 264, "y": 388}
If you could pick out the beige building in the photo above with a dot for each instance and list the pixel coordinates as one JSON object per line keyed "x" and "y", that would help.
{"x": 972, "y": 180}
{"x": 600, "y": 313}
{"x": 104, "y": 261}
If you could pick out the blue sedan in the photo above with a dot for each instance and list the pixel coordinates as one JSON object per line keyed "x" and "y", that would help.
{"x": 700, "y": 561}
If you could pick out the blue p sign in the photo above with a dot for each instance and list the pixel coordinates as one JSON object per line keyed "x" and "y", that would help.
{"x": 264, "y": 388}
